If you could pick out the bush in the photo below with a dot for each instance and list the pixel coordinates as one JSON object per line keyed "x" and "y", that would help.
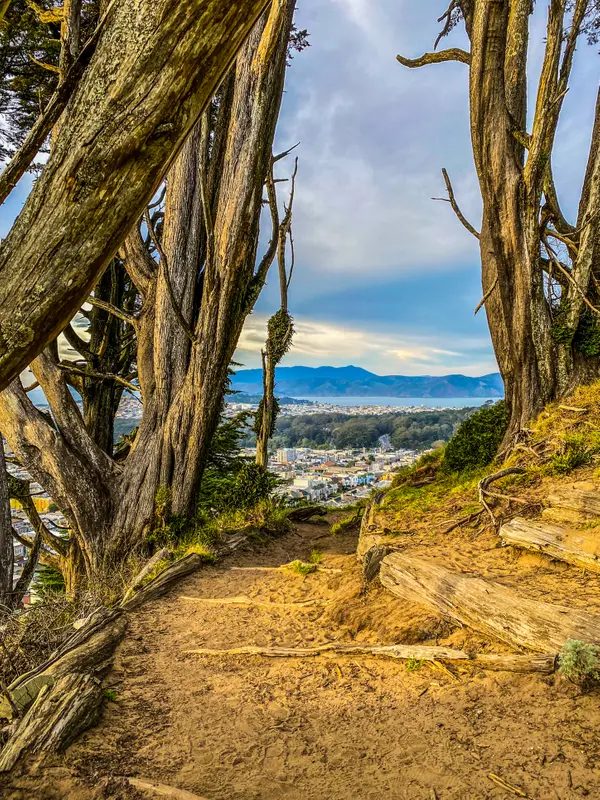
{"x": 477, "y": 440}
{"x": 580, "y": 663}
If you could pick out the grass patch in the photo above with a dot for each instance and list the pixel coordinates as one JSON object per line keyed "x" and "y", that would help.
{"x": 413, "y": 664}
{"x": 110, "y": 695}
{"x": 301, "y": 567}
{"x": 315, "y": 557}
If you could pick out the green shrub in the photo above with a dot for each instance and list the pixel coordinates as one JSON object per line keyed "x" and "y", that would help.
{"x": 476, "y": 442}
{"x": 47, "y": 580}
{"x": 580, "y": 663}
{"x": 413, "y": 664}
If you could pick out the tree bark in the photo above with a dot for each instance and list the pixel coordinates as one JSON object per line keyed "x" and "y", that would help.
{"x": 196, "y": 290}
{"x": 156, "y": 66}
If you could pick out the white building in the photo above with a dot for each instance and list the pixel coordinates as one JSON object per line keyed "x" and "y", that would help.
{"x": 286, "y": 456}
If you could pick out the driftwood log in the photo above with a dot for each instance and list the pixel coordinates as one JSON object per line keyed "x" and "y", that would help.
{"x": 575, "y": 498}
{"x": 58, "y": 715}
{"x": 511, "y": 663}
{"x": 487, "y": 606}
{"x": 580, "y": 548}
{"x": 88, "y": 650}
{"x": 164, "y": 554}
{"x": 162, "y": 583}
{"x": 308, "y": 605}
{"x": 162, "y": 790}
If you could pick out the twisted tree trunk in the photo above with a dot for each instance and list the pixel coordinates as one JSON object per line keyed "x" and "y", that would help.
{"x": 156, "y": 65}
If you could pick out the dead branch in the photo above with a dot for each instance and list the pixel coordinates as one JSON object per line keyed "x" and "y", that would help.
{"x": 111, "y": 309}
{"x": 463, "y": 521}
{"x": 447, "y": 16}
{"x": 100, "y": 376}
{"x": 452, "y": 54}
{"x": 455, "y": 207}
{"x": 486, "y": 297}
{"x": 483, "y": 484}
{"x": 516, "y": 663}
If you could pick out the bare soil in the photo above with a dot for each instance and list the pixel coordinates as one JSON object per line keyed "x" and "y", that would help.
{"x": 329, "y": 727}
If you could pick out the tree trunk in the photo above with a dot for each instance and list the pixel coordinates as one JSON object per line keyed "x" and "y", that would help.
{"x": 6, "y": 536}
{"x": 156, "y": 66}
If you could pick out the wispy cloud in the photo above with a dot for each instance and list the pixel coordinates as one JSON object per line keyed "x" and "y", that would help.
{"x": 317, "y": 343}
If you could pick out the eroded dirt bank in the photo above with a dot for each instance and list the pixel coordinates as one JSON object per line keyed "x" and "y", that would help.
{"x": 324, "y": 728}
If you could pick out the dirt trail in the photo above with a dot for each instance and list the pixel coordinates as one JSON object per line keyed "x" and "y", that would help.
{"x": 325, "y": 728}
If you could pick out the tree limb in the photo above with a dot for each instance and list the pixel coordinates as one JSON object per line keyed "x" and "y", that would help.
{"x": 452, "y": 200}
{"x": 452, "y": 54}
{"x": 111, "y": 309}
{"x": 99, "y": 376}
{"x": 486, "y": 296}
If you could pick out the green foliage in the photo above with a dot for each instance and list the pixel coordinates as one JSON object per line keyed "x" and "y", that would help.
{"x": 25, "y": 86}
{"x": 301, "y": 567}
{"x": 576, "y": 450}
{"x": 413, "y": 664}
{"x": 110, "y": 695}
{"x": 414, "y": 431}
{"x": 347, "y": 523}
{"x": 47, "y": 580}
{"x": 587, "y": 335}
{"x": 476, "y": 442}
{"x": 315, "y": 557}
{"x": 580, "y": 663}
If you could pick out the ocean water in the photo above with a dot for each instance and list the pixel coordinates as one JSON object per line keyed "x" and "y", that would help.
{"x": 408, "y": 402}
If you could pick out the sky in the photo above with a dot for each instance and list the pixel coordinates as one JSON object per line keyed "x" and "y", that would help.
{"x": 385, "y": 277}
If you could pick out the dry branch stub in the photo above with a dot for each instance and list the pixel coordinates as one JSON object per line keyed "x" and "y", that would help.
{"x": 580, "y": 548}
{"x": 488, "y": 607}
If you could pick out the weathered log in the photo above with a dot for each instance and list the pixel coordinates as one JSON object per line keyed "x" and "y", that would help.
{"x": 302, "y": 514}
{"x": 576, "y": 498}
{"x": 249, "y": 601}
{"x": 162, "y": 790}
{"x": 580, "y": 548}
{"x": 162, "y": 583}
{"x": 510, "y": 663}
{"x": 59, "y": 714}
{"x": 164, "y": 554}
{"x": 487, "y": 606}
{"x": 282, "y": 568}
{"x": 89, "y": 649}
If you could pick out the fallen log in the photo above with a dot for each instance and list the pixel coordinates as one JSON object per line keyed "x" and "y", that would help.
{"x": 162, "y": 583}
{"x": 249, "y": 601}
{"x": 580, "y": 548}
{"x": 510, "y": 663}
{"x": 164, "y": 554}
{"x": 88, "y": 650}
{"x": 487, "y": 606}
{"x": 162, "y": 790}
{"x": 282, "y": 568}
{"x": 576, "y": 498}
{"x": 58, "y": 715}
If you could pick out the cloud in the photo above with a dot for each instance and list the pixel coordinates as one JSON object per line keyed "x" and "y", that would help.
{"x": 317, "y": 343}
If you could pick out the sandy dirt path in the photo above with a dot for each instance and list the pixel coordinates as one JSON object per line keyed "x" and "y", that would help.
{"x": 326, "y": 728}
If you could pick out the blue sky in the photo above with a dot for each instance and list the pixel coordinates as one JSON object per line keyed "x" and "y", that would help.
{"x": 386, "y": 278}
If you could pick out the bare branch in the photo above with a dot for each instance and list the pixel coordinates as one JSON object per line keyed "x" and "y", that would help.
{"x": 111, "y": 309}
{"x": 452, "y": 200}
{"x": 447, "y": 15}
{"x": 485, "y": 297}
{"x": 452, "y": 54}
{"x": 267, "y": 259}
{"x": 285, "y": 153}
{"x": 99, "y": 376}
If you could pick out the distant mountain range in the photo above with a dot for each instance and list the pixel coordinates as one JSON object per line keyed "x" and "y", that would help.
{"x": 357, "y": 382}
